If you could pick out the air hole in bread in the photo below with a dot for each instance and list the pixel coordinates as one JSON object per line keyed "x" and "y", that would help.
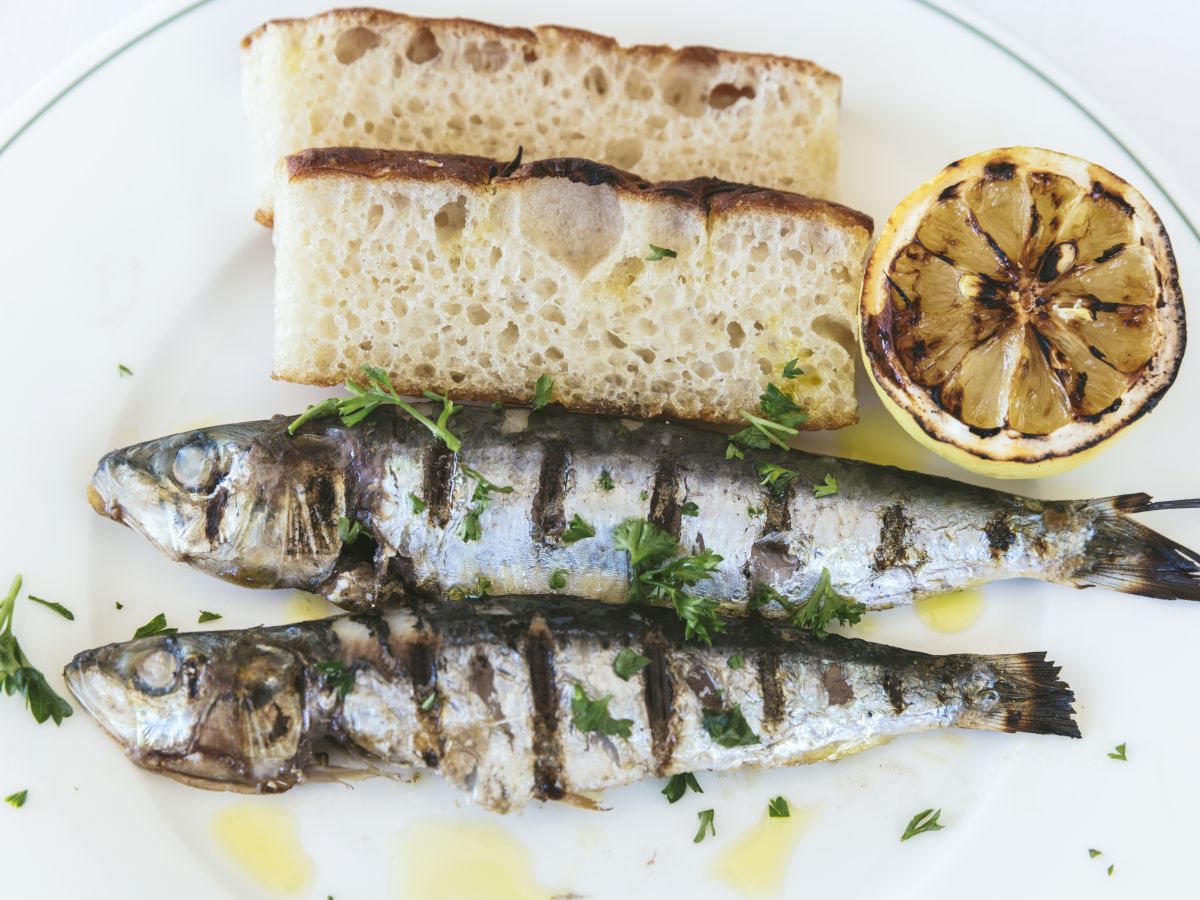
{"x": 830, "y": 328}
{"x": 637, "y": 87}
{"x": 684, "y": 85}
{"x": 596, "y": 81}
{"x": 374, "y": 216}
{"x": 353, "y": 43}
{"x": 646, "y": 354}
{"x": 623, "y": 153}
{"x": 737, "y": 334}
{"x": 575, "y": 224}
{"x": 724, "y": 95}
{"x": 616, "y": 341}
{"x": 422, "y": 47}
{"x": 554, "y": 354}
{"x": 349, "y": 120}
{"x": 508, "y": 337}
{"x": 490, "y": 57}
{"x": 530, "y": 55}
{"x": 450, "y": 220}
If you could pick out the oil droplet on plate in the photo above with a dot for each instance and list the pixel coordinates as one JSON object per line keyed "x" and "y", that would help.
{"x": 302, "y": 606}
{"x": 456, "y": 860}
{"x": 952, "y": 612}
{"x": 264, "y": 842}
{"x": 757, "y": 861}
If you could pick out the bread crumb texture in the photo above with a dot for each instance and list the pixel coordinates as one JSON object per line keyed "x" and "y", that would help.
{"x": 454, "y": 280}
{"x": 368, "y": 78}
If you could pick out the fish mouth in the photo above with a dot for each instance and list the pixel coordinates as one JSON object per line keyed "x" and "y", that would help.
{"x": 102, "y": 493}
{"x": 100, "y": 696}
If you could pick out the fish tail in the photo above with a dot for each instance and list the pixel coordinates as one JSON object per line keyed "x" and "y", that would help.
{"x": 1125, "y": 555}
{"x": 1032, "y": 698}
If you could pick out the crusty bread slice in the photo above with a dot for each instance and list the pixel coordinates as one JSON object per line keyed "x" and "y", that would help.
{"x": 455, "y": 276}
{"x": 369, "y": 78}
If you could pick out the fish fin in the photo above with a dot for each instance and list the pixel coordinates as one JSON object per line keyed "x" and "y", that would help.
{"x": 1125, "y": 555}
{"x": 1032, "y": 698}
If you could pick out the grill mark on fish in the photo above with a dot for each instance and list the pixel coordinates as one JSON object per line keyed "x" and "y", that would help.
{"x": 777, "y": 509}
{"x": 894, "y": 526}
{"x": 703, "y": 686}
{"x": 894, "y": 688}
{"x": 436, "y": 482}
{"x": 773, "y": 701}
{"x": 837, "y": 688}
{"x": 321, "y": 497}
{"x": 546, "y": 513}
{"x": 279, "y": 725}
{"x": 665, "y": 511}
{"x": 213, "y": 512}
{"x": 422, "y": 670}
{"x": 481, "y": 678}
{"x": 547, "y": 749}
{"x": 999, "y": 533}
{"x": 660, "y": 694}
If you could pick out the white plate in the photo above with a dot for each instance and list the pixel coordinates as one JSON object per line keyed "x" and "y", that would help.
{"x": 129, "y": 239}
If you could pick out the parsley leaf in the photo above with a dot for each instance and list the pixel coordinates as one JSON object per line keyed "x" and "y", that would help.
{"x": 1119, "y": 753}
{"x": 732, "y": 451}
{"x": 778, "y": 420}
{"x": 657, "y": 253}
{"x": 824, "y": 605}
{"x": 1110, "y": 869}
{"x": 558, "y": 579}
{"x": 17, "y": 800}
{"x": 737, "y": 661}
{"x": 471, "y": 530}
{"x": 629, "y": 662}
{"x": 606, "y": 482}
{"x": 706, "y": 824}
{"x": 119, "y": 605}
{"x": 775, "y": 477}
{"x": 418, "y": 505}
{"x": 541, "y": 391}
{"x": 728, "y": 727}
{"x": 57, "y": 607}
{"x": 206, "y": 616}
{"x": 778, "y": 809}
{"x": 123, "y": 370}
{"x": 926, "y": 820}
{"x": 791, "y": 369}
{"x": 690, "y": 509}
{"x": 156, "y": 626}
{"x": 754, "y": 510}
{"x": 336, "y": 677}
{"x": 765, "y": 595}
{"x": 1094, "y": 853}
{"x": 429, "y": 702}
{"x": 17, "y": 673}
{"x": 828, "y": 488}
{"x": 577, "y": 530}
{"x": 322, "y": 410}
{"x": 348, "y": 531}
{"x": 593, "y": 715}
{"x": 678, "y": 785}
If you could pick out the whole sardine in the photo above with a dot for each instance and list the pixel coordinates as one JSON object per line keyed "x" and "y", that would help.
{"x": 253, "y": 505}
{"x": 518, "y": 698}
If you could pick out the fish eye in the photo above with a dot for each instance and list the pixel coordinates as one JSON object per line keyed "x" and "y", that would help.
{"x": 157, "y": 672}
{"x": 195, "y": 466}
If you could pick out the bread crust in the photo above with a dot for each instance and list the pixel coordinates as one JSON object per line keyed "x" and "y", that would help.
{"x": 382, "y": 18}
{"x": 711, "y": 196}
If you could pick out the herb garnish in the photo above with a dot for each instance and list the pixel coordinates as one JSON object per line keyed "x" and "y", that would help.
{"x": 1110, "y": 869}
{"x": 706, "y": 823}
{"x": 817, "y": 611}
{"x": 481, "y": 498}
{"x": 678, "y": 785}
{"x": 17, "y": 673}
{"x": 778, "y": 809}
{"x": 926, "y": 820}
{"x": 656, "y": 578}
{"x": 690, "y": 509}
{"x": 593, "y": 715}
{"x": 826, "y": 489}
{"x": 628, "y": 663}
{"x": 206, "y": 616}
{"x": 119, "y": 605}
{"x": 1094, "y": 853}
{"x": 429, "y": 702}
{"x": 483, "y": 584}
{"x": 791, "y": 369}
{"x": 123, "y": 370}
{"x": 57, "y": 607}
{"x": 366, "y": 400}
{"x": 753, "y": 510}
{"x": 17, "y": 800}
{"x": 336, "y": 677}
{"x": 418, "y": 505}
{"x": 577, "y": 530}
{"x": 644, "y": 496}
{"x": 156, "y": 626}
{"x": 737, "y": 661}
{"x": 606, "y": 482}
{"x": 1119, "y": 753}
{"x": 541, "y": 391}
{"x": 657, "y": 253}
{"x": 778, "y": 420}
{"x": 558, "y": 579}
{"x": 348, "y": 531}
{"x": 775, "y": 477}
{"x": 497, "y": 405}
{"x": 728, "y": 727}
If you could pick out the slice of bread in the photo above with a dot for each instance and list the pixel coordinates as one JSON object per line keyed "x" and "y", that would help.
{"x": 457, "y": 277}
{"x": 369, "y": 78}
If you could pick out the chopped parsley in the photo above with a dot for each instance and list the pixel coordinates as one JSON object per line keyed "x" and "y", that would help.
{"x": 754, "y": 510}
{"x": 776, "y": 420}
{"x": 826, "y": 489}
{"x": 123, "y": 371}
{"x": 206, "y": 616}
{"x": 733, "y": 451}
{"x": 678, "y": 785}
{"x": 156, "y": 626}
{"x": 119, "y": 605}
{"x": 483, "y": 584}
{"x": 657, "y": 578}
{"x": 577, "y": 530}
{"x": 17, "y": 800}
{"x": 644, "y": 496}
{"x": 418, "y": 505}
{"x": 1094, "y": 853}
{"x": 791, "y": 369}
{"x": 606, "y": 482}
{"x": 558, "y": 579}
{"x": 775, "y": 477}
{"x": 629, "y": 662}
{"x": 706, "y": 824}
{"x": 541, "y": 391}
{"x": 778, "y": 809}
{"x": 429, "y": 702}
{"x": 377, "y": 392}
{"x": 57, "y": 607}
{"x": 690, "y": 509}
{"x": 481, "y": 497}
{"x": 497, "y": 405}
{"x": 817, "y": 611}
{"x": 728, "y": 727}
{"x": 1110, "y": 869}
{"x": 1119, "y": 753}
{"x": 657, "y": 253}
{"x": 737, "y": 661}
{"x": 348, "y": 531}
{"x": 592, "y": 715}
{"x": 926, "y": 820}
{"x": 336, "y": 677}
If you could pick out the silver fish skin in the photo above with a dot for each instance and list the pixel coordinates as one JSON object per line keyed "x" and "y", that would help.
{"x": 483, "y": 693}
{"x": 251, "y": 504}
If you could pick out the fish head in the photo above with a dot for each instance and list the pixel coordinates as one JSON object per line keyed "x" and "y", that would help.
{"x": 208, "y": 709}
{"x": 248, "y": 503}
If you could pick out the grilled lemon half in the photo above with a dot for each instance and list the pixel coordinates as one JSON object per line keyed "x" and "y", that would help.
{"x": 1020, "y": 309}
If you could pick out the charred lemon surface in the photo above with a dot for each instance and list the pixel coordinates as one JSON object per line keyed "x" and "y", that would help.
{"x": 1021, "y": 308}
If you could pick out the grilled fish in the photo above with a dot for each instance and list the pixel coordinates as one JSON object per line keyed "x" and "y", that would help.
{"x": 489, "y": 695}
{"x": 253, "y": 505}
